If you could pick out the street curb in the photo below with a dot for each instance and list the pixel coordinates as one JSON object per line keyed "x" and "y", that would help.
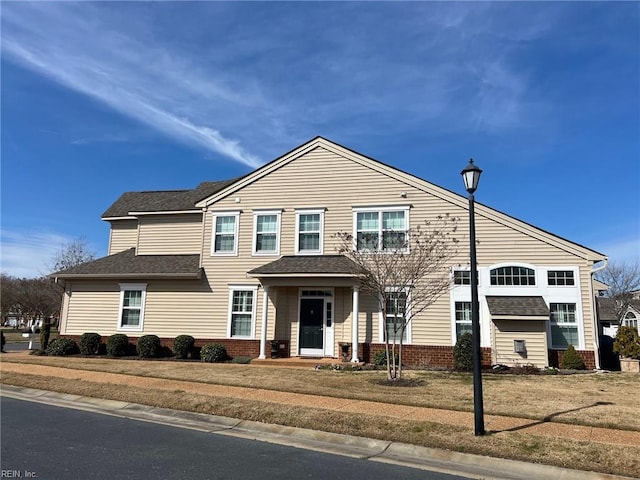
{"x": 443, "y": 461}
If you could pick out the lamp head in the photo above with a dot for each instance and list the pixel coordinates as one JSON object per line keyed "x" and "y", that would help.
{"x": 471, "y": 176}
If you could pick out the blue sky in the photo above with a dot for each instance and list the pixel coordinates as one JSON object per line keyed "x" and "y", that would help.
{"x": 107, "y": 97}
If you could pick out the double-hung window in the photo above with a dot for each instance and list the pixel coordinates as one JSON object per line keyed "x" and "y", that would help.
{"x": 132, "y": 298}
{"x": 242, "y": 311}
{"x": 266, "y": 238}
{"x": 395, "y": 317}
{"x": 381, "y": 229}
{"x": 564, "y": 325}
{"x": 309, "y": 231}
{"x": 463, "y": 318}
{"x": 225, "y": 233}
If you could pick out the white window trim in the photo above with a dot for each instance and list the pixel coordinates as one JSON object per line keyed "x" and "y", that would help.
{"x": 215, "y": 215}
{"x": 579, "y": 324}
{"x": 256, "y": 214}
{"x": 382, "y": 323}
{"x": 380, "y": 210}
{"x": 455, "y": 323}
{"x": 254, "y": 306}
{"x": 132, "y": 286}
{"x": 321, "y": 244}
{"x": 536, "y": 275}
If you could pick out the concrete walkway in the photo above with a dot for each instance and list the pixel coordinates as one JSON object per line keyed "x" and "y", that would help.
{"x": 494, "y": 423}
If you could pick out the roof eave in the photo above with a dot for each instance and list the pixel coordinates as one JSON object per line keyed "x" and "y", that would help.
{"x": 111, "y": 276}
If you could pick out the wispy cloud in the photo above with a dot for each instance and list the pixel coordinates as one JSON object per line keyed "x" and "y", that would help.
{"x": 29, "y": 254}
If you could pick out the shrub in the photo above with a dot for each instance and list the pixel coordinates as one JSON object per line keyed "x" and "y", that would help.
{"x": 380, "y": 358}
{"x": 463, "y": 353}
{"x": 90, "y": 343}
{"x": 118, "y": 345}
{"x": 148, "y": 346}
{"x": 183, "y": 346}
{"x": 213, "y": 352}
{"x": 627, "y": 342}
{"x": 60, "y": 347}
{"x": 571, "y": 360}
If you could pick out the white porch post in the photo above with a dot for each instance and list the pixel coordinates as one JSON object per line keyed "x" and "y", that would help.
{"x": 263, "y": 330}
{"x": 354, "y": 326}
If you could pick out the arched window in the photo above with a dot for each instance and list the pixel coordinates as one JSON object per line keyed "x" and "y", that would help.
{"x": 513, "y": 275}
{"x": 630, "y": 320}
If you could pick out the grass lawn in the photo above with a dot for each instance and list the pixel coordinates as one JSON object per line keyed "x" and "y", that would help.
{"x": 603, "y": 399}
{"x": 12, "y": 335}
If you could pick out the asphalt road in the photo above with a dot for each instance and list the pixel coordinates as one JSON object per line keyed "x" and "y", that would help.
{"x": 48, "y": 442}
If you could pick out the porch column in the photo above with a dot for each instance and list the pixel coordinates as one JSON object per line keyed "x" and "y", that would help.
{"x": 263, "y": 332}
{"x": 354, "y": 326}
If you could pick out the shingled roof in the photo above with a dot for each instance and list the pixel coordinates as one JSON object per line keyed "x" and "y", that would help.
{"x": 163, "y": 201}
{"x": 127, "y": 264}
{"x": 515, "y": 307}
{"x": 338, "y": 265}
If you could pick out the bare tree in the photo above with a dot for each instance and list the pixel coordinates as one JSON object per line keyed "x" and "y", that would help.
{"x": 623, "y": 279}
{"x": 8, "y": 295}
{"x": 406, "y": 272}
{"x": 71, "y": 254}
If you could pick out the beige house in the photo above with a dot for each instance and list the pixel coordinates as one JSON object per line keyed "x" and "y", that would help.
{"x": 250, "y": 260}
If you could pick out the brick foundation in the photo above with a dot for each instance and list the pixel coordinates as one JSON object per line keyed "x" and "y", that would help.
{"x": 589, "y": 358}
{"x": 420, "y": 355}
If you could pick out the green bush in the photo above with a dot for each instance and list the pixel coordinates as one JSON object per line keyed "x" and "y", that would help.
{"x": 380, "y": 358}
{"x": 148, "y": 346}
{"x": 571, "y": 360}
{"x": 90, "y": 343}
{"x": 213, "y": 352}
{"x": 118, "y": 345}
{"x": 183, "y": 346}
{"x": 60, "y": 347}
{"x": 463, "y": 353}
{"x": 627, "y": 342}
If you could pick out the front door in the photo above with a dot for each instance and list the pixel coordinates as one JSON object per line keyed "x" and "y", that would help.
{"x": 312, "y": 326}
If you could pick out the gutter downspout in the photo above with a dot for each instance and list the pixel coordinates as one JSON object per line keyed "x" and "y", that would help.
{"x": 596, "y": 331}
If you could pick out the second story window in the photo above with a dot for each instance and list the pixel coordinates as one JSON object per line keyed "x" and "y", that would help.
{"x": 225, "y": 233}
{"x": 560, "y": 277}
{"x": 266, "y": 233}
{"x": 512, "y": 276}
{"x": 381, "y": 229}
{"x": 462, "y": 277}
{"x": 309, "y": 226}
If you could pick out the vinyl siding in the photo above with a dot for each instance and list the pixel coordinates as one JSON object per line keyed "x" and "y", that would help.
{"x": 534, "y": 333}
{"x": 170, "y": 234}
{"x": 123, "y": 235}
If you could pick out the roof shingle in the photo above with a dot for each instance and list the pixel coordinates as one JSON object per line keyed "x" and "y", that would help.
{"x": 518, "y": 306}
{"x": 307, "y": 264}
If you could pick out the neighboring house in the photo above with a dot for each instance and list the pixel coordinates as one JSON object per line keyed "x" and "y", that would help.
{"x": 609, "y": 323}
{"x": 250, "y": 260}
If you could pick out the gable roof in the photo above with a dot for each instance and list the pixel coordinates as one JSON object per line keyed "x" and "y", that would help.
{"x": 410, "y": 180}
{"x": 163, "y": 200}
{"x": 127, "y": 264}
{"x": 607, "y": 309}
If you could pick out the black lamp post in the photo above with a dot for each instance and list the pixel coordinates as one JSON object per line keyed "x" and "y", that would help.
{"x": 471, "y": 177}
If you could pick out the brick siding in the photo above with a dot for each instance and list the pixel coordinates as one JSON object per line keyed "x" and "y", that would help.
{"x": 589, "y": 358}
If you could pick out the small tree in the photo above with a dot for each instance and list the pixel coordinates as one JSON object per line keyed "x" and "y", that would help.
{"x": 571, "y": 360}
{"x": 627, "y": 342}
{"x": 406, "y": 271}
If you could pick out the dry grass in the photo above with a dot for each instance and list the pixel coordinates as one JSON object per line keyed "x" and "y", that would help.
{"x": 602, "y": 399}
{"x": 514, "y": 445}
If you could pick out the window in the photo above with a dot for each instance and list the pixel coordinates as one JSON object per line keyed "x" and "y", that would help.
{"x": 630, "y": 320}
{"x": 463, "y": 319}
{"x": 462, "y": 277}
{"x": 242, "y": 310}
{"x": 225, "y": 233}
{"x": 267, "y": 232}
{"x": 309, "y": 226}
{"x": 513, "y": 276}
{"x": 132, "y": 297}
{"x": 395, "y": 316}
{"x": 564, "y": 325}
{"x": 560, "y": 277}
{"x": 382, "y": 229}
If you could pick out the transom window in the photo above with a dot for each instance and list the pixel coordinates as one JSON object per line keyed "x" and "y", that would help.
{"x": 225, "y": 233}
{"x": 463, "y": 318}
{"x": 132, "y": 297}
{"x": 242, "y": 311}
{"x": 395, "y": 316}
{"x": 564, "y": 325}
{"x": 462, "y": 277}
{"x": 513, "y": 276}
{"x": 267, "y": 231}
{"x": 309, "y": 226}
{"x": 382, "y": 229}
{"x": 560, "y": 277}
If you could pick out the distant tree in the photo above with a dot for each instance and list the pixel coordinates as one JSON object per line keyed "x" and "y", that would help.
{"x": 623, "y": 278}
{"x": 9, "y": 301}
{"x": 72, "y": 254}
{"x": 405, "y": 272}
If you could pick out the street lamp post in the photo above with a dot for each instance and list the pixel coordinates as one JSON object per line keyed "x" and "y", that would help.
{"x": 471, "y": 177}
